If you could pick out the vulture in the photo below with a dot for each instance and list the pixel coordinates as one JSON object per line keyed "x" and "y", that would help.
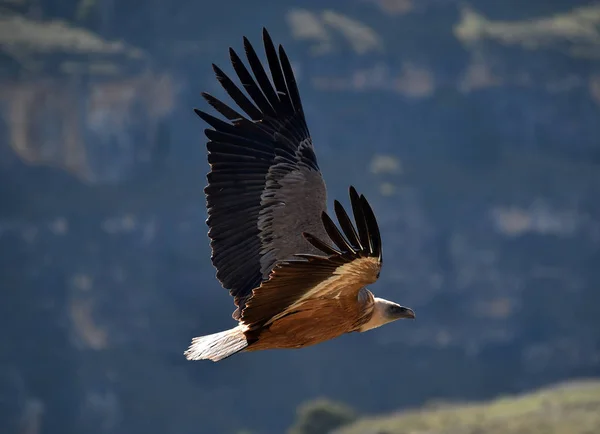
{"x": 295, "y": 277}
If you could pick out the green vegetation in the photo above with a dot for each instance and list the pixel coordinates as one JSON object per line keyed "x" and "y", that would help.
{"x": 322, "y": 27}
{"x": 572, "y": 408}
{"x": 321, "y": 416}
{"x": 34, "y": 45}
{"x": 577, "y": 28}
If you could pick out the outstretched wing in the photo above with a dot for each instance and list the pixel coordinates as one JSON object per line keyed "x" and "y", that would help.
{"x": 264, "y": 187}
{"x": 354, "y": 262}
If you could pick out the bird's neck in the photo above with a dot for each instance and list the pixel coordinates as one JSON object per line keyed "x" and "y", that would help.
{"x": 378, "y": 316}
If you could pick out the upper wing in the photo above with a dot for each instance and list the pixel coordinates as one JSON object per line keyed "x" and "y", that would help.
{"x": 355, "y": 263}
{"x": 264, "y": 187}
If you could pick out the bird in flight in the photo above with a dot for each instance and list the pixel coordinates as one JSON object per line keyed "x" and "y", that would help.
{"x": 295, "y": 278}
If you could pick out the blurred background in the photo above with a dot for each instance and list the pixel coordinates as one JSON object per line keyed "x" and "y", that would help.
{"x": 472, "y": 126}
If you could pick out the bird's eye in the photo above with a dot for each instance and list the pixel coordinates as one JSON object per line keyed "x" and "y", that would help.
{"x": 399, "y": 309}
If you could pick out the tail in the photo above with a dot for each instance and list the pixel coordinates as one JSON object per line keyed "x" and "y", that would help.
{"x": 217, "y": 346}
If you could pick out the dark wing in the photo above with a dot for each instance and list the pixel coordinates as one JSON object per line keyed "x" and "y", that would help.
{"x": 354, "y": 262}
{"x": 264, "y": 187}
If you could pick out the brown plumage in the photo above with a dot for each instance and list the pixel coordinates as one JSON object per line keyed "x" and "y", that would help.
{"x": 296, "y": 279}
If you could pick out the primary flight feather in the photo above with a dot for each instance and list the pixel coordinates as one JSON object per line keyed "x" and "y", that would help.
{"x": 295, "y": 278}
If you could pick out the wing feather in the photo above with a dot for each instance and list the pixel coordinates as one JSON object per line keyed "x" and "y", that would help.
{"x": 321, "y": 245}
{"x": 290, "y": 81}
{"x": 250, "y": 85}
{"x": 337, "y": 273}
{"x": 287, "y": 107}
{"x": 359, "y": 217}
{"x": 237, "y": 95}
{"x": 335, "y": 235}
{"x": 372, "y": 228}
{"x": 261, "y": 75}
{"x": 264, "y": 187}
{"x": 347, "y": 226}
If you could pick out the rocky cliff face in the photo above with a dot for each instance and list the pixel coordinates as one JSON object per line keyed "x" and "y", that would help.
{"x": 472, "y": 131}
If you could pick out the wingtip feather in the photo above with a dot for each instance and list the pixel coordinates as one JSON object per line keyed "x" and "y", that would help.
{"x": 321, "y": 245}
{"x": 265, "y": 34}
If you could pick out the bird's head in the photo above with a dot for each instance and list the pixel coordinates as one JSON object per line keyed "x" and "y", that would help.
{"x": 385, "y": 311}
{"x": 395, "y": 311}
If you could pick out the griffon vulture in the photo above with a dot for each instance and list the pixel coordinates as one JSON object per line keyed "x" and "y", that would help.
{"x": 296, "y": 279}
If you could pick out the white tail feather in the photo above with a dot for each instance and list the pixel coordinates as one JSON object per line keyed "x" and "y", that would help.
{"x": 217, "y": 346}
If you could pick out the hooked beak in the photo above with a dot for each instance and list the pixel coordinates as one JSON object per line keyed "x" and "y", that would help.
{"x": 406, "y": 313}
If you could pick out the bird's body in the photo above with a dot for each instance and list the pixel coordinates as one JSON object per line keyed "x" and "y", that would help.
{"x": 335, "y": 317}
{"x": 295, "y": 278}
